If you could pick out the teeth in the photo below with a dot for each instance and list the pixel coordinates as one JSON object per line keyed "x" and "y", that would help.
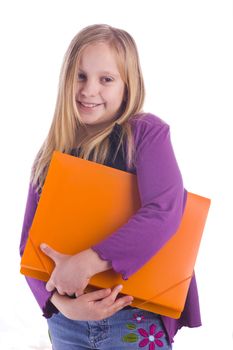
{"x": 89, "y": 104}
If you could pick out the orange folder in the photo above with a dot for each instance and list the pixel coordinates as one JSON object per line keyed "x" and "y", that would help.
{"x": 82, "y": 202}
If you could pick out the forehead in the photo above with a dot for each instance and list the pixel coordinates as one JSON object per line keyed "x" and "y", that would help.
{"x": 98, "y": 58}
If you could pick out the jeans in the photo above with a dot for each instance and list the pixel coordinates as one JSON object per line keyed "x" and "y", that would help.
{"x": 129, "y": 328}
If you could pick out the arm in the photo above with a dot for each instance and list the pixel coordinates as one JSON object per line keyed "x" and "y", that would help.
{"x": 37, "y": 287}
{"x": 91, "y": 306}
{"x": 162, "y": 201}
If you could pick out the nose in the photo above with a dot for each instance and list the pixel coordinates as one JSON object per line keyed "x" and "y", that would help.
{"x": 89, "y": 88}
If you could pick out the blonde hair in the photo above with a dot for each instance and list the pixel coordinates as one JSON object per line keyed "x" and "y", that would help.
{"x": 64, "y": 131}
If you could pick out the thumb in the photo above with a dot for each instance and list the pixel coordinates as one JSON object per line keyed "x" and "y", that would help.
{"x": 98, "y": 294}
{"x": 50, "y": 252}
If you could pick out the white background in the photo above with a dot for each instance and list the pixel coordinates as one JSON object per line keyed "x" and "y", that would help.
{"x": 186, "y": 56}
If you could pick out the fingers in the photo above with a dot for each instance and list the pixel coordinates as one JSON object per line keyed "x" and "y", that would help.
{"x": 50, "y": 286}
{"x": 72, "y": 296}
{"x": 51, "y": 253}
{"x": 107, "y": 296}
{"x": 122, "y": 302}
{"x": 111, "y": 299}
{"x": 114, "y": 294}
{"x": 78, "y": 292}
{"x": 98, "y": 294}
{"x": 114, "y": 305}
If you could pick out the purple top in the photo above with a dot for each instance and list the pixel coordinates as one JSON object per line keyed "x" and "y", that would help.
{"x": 163, "y": 199}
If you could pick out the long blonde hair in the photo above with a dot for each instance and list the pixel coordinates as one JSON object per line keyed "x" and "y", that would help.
{"x": 66, "y": 124}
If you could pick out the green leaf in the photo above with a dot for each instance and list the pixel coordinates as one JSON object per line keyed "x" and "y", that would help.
{"x": 131, "y": 326}
{"x": 130, "y": 338}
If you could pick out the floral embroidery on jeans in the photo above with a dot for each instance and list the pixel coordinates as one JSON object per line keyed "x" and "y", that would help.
{"x": 152, "y": 338}
{"x": 138, "y": 317}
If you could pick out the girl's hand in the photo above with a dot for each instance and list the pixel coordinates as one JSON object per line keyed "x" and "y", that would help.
{"x": 91, "y": 306}
{"x": 71, "y": 274}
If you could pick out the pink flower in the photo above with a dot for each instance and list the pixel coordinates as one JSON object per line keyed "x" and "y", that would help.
{"x": 138, "y": 318}
{"x": 151, "y": 338}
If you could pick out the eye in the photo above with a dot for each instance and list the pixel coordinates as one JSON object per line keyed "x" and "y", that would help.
{"x": 107, "y": 79}
{"x": 81, "y": 76}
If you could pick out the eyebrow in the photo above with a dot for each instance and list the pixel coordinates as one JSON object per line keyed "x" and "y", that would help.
{"x": 102, "y": 72}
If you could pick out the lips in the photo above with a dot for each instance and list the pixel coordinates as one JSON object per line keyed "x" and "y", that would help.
{"x": 89, "y": 104}
{"x": 87, "y": 107}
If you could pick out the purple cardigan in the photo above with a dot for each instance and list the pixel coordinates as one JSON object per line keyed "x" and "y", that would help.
{"x": 163, "y": 199}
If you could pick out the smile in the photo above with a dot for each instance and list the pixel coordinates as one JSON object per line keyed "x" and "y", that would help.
{"x": 89, "y": 105}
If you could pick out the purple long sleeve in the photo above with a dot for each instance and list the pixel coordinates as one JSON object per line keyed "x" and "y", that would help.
{"x": 162, "y": 201}
{"x": 37, "y": 287}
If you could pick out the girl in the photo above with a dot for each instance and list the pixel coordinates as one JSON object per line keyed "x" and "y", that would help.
{"x": 98, "y": 116}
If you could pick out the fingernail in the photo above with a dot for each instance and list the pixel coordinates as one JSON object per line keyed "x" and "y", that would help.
{"x": 43, "y": 246}
{"x": 120, "y": 286}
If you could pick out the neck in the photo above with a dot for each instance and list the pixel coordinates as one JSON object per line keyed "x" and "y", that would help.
{"x": 94, "y": 128}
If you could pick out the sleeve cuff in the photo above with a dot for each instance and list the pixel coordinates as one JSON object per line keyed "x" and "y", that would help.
{"x": 114, "y": 265}
{"x": 49, "y": 309}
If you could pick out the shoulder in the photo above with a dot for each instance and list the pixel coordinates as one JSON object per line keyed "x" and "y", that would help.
{"x": 148, "y": 119}
{"x": 148, "y": 126}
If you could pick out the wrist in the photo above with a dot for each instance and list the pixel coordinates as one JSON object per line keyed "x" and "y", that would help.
{"x": 55, "y": 298}
{"x": 96, "y": 263}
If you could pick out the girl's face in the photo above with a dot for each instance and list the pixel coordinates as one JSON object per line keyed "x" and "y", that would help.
{"x": 100, "y": 89}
